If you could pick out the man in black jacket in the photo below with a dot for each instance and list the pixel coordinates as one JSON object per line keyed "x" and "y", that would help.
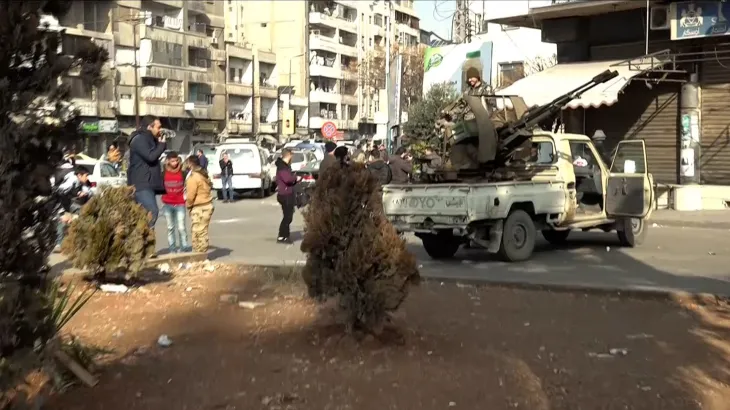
{"x": 401, "y": 166}
{"x": 226, "y": 177}
{"x": 144, "y": 173}
{"x": 329, "y": 157}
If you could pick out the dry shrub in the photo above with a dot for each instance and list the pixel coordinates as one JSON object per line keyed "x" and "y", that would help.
{"x": 110, "y": 234}
{"x": 353, "y": 252}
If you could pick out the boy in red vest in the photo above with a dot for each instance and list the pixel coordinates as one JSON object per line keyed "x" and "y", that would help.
{"x": 174, "y": 204}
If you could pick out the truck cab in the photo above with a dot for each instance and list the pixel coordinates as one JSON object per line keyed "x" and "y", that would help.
{"x": 555, "y": 184}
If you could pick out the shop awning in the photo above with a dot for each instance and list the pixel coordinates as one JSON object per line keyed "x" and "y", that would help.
{"x": 543, "y": 87}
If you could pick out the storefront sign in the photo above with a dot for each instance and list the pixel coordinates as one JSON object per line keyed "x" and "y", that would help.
{"x": 99, "y": 127}
{"x": 697, "y": 19}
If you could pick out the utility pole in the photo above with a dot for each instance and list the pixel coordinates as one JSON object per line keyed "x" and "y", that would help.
{"x": 388, "y": 85}
{"x": 460, "y": 28}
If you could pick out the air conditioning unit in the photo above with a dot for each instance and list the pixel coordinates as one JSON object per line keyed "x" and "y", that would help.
{"x": 659, "y": 18}
{"x": 214, "y": 40}
{"x": 188, "y": 106}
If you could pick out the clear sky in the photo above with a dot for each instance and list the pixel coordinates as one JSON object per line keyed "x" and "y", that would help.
{"x": 436, "y": 15}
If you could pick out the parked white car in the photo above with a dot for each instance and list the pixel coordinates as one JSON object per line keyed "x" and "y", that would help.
{"x": 101, "y": 173}
{"x": 251, "y": 170}
{"x": 299, "y": 159}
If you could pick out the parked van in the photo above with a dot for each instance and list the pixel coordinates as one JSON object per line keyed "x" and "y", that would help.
{"x": 250, "y": 169}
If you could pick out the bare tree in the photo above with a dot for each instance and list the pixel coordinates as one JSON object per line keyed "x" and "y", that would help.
{"x": 540, "y": 63}
{"x": 372, "y": 72}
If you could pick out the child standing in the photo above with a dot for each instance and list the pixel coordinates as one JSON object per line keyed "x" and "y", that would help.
{"x": 174, "y": 204}
{"x": 200, "y": 203}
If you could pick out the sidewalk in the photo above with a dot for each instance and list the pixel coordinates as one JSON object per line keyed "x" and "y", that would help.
{"x": 692, "y": 219}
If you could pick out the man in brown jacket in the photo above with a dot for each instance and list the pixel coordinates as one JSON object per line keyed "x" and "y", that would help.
{"x": 199, "y": 202}
{"x": 401, "y": 167}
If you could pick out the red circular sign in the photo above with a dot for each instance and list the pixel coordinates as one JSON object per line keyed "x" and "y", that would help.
{"x": 329, "y": 130}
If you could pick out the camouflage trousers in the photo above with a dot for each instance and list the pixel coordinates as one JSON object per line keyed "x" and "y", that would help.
{"x": 200, "y": 216}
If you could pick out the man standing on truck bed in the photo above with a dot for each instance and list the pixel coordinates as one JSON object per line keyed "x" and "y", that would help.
{"x": 401, "y": 167}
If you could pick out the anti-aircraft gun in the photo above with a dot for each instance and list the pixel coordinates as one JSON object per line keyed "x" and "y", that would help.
{"x": 483, "y": 132}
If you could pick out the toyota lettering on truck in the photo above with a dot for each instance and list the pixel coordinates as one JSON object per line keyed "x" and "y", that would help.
{"x": 505, "y": 178}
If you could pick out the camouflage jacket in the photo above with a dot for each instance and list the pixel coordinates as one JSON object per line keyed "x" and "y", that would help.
{"x": 482, "y": 89}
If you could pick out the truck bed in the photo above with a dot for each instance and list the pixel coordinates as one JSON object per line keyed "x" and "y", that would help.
{"x": 459, "y": 204}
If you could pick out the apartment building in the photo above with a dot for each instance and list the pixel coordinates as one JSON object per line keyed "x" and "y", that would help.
{"x": 321, "y": 49}
{"x": 167, "y": 58}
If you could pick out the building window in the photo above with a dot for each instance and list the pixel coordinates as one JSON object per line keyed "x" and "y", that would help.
{"x": 77, "y": 88}
{"x": 166, "y": 53}
{"x": 510, "y": 72}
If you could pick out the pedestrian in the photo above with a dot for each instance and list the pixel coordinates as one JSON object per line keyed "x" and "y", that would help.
{"x": 285, "y": 181}
{"x": 203, "y": 159}
{"x": 342, "y": 155}
{"x": 379, "y": 168}
{"x": 113, "y": 155}
{"x": 199, "y": 200}
{"x": 227, "y": 177}
{"x": 145, "y": 174}
{"x": 401, "y": 166}
{"x": 74, "y": 192}
{"x": 329, "y": 156}
{"x": 360, "y": 155}
{"x": 173, "y": 204}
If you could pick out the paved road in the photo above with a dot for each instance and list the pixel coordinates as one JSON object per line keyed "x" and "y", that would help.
{"x": 673, "y": 258}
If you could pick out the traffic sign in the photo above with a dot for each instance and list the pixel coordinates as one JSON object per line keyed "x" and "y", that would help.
{"x": 329, "y": 130}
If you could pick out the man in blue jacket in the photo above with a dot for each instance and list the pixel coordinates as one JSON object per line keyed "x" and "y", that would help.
{"x": 144, "y": 173}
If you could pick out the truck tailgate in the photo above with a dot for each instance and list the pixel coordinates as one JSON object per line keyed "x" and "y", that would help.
{"x": 426, "y": 200}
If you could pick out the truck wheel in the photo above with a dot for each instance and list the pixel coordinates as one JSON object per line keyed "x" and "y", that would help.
{"x": 632, "y": 231}
{"x": 518, "y": 237}
{"x": 555, "y": 237}
{"x": 440, "y": 246}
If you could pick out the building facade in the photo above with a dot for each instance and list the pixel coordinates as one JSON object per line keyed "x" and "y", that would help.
{"x": 516, "y": 51}
{"x": 321, "y": 48}
{"x": 671, "y": 90}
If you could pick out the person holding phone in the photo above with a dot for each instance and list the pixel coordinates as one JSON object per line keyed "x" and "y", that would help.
{"x": 145, "y": 173}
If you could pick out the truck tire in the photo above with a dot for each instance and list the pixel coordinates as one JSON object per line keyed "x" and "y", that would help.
{"x": 440, "y": 246}
{"x": 518, "y": 237}
{"x": 632, "y": 231}
{"x": 555, "y": 237}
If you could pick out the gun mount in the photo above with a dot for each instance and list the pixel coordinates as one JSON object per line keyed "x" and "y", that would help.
{"x": 483, "y": 132}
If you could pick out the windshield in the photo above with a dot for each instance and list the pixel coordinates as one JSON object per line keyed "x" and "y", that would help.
{"x": 238, "y": 153}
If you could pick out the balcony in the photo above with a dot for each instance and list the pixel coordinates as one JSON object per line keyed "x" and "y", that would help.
{"x": 239, "y": 122}
{"x": 335, "y": 22}
{"x": 320, "y": 42}
{"x": 324, "y": 97}
{"x": 316, "y": 70}
{"x": 349, "y": 99}
{"x": 531, "y": 13}
{"x": 268, "y": 127}
{"x": 239, "y": 88}
{"x": 197, "y": 6}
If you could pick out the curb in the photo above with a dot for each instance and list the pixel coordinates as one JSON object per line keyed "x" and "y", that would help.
{"x": 150, "y": 263}
{"x": 691, "y": 224}
{"x": 599, "y": 290}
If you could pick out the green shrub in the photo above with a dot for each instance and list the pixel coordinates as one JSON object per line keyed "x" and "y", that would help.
{"x": 353, "y": 252}
{"x": 110, "y": 234}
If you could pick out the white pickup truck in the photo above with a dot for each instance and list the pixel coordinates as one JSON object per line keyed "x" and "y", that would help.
{"x": 562, "y": 185}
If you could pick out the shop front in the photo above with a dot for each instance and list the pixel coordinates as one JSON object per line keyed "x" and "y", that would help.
{"x": 98, "y": 134}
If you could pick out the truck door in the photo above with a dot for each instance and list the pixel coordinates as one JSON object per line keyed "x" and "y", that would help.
{"x": 629, "y": 190}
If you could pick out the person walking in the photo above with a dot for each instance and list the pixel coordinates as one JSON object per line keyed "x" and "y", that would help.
{"x": 285, "y": 181}
{"x": 227, "y": 177}
{"x": 203, "y": 159}
{"x": 144, "y": 174}
{"x": 199, "y": 202}
{"x": 74, "y": 192}
{"x": 174, "y": 204}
